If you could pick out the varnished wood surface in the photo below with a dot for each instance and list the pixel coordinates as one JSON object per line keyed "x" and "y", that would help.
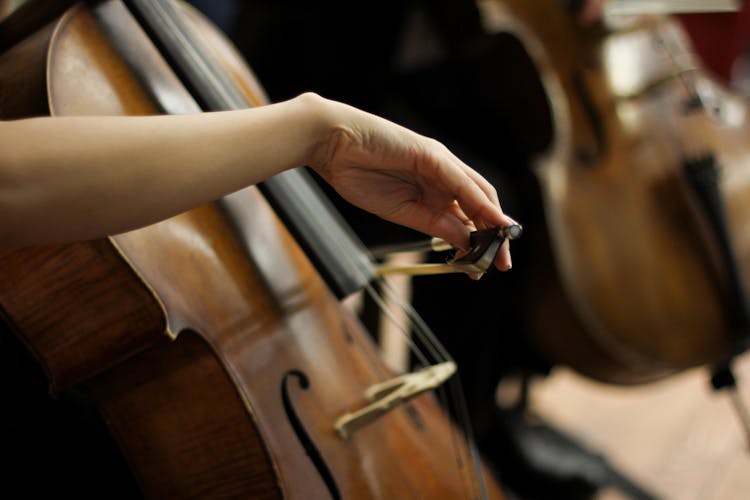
{"x": 630, "y": 242}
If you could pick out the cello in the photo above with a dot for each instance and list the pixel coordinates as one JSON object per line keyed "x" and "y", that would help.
{"x": 221, "y": 360}
{"x": 647, "y": 258}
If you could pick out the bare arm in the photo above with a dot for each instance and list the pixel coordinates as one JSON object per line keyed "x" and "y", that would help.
{"x": 64, "y": 179}
{"x": 82, "y": 177}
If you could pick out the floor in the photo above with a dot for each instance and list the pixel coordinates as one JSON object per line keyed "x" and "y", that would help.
{"x": 677, "y": 438}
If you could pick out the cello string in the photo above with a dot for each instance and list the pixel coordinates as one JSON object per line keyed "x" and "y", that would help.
{"x": 455, "y": 399}
{"x": 450, "y": 393}
{"x": 379, "y": 301}
{"x": 455, "y": 395}
{"x": 430, "y": 351}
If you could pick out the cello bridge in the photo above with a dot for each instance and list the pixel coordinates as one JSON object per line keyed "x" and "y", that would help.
{"x": 385, "y": 396}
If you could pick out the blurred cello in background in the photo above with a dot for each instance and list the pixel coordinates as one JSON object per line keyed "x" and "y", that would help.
{"x": 645, "y": 196}
{"x": 221, "y": 360}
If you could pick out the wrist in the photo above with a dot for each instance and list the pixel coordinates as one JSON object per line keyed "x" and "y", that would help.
{"x": 314, "y": 113}
{"x": 325, "y": 120}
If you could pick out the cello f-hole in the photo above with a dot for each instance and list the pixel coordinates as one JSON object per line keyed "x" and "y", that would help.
{"x": 304, "y": 438}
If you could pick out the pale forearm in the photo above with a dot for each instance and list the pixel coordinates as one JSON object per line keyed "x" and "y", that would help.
{"x": 64, "y": 179}
{"x": 83, "y": 177}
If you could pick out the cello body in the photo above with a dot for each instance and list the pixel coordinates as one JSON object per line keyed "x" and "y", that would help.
{"x": 215, "y": 352}
{"x": 632, "y": 285}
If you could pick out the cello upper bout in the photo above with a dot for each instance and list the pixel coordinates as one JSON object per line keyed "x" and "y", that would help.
{"x": 79, "y": 307}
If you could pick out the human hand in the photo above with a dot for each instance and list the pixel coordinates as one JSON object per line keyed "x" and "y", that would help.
{"x": 406, "y": 178}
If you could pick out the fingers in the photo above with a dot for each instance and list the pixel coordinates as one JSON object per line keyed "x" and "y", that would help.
{"x": 476, "y": 206}
{"x": 459, "y": 214}
{"x": 445, "y": 224}
{"x": 479, "y": 202}
{"x": 450, "y": 224}
{"x": 483, "y": 183}
{"x": 502, "y": 260}
{"x": 475, "y": 195}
